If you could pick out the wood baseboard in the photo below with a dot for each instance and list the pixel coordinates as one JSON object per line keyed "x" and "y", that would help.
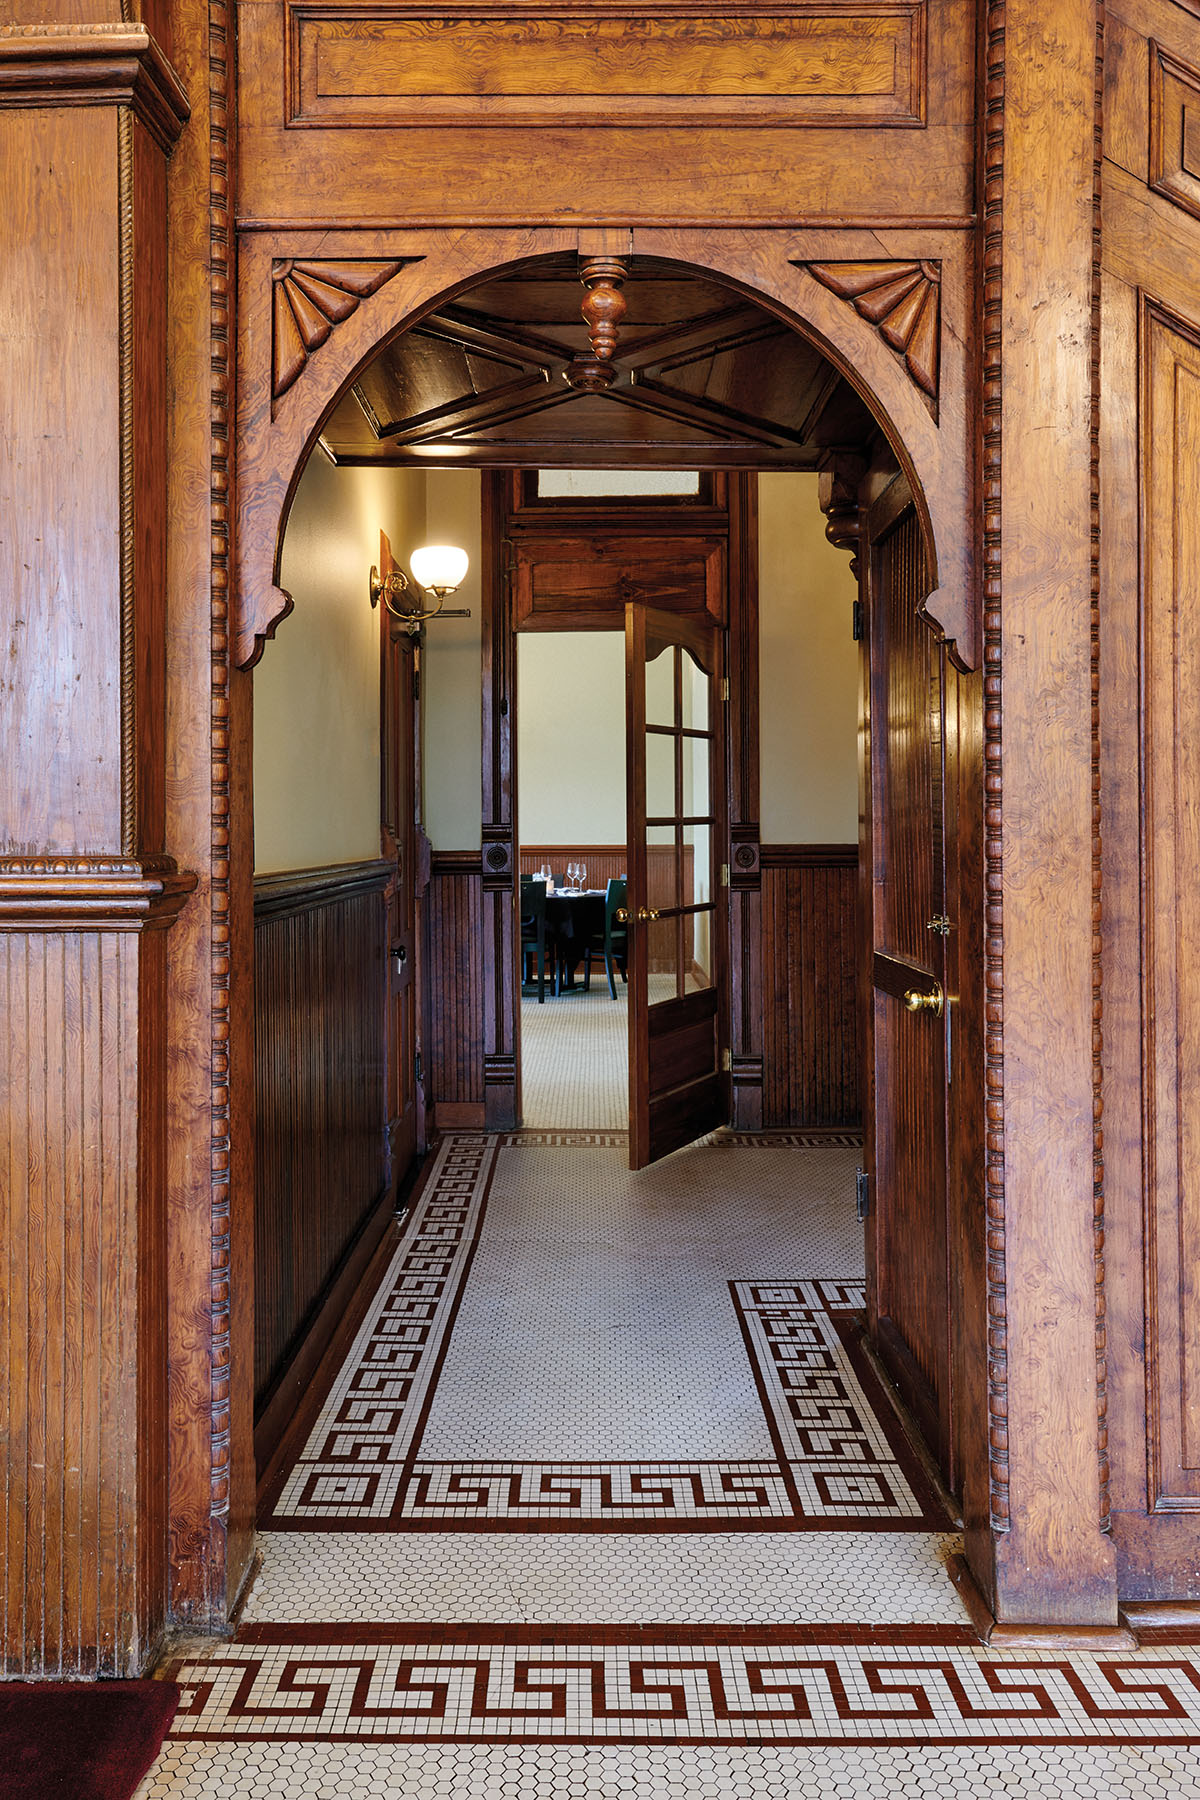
{"x": 1163, "y": 1621}
{"x": 307, "y": 1404}
{"x": 453, "y": 1115}
{"x": 276, "y": 1417}
{"x": 1029, "y": 1637}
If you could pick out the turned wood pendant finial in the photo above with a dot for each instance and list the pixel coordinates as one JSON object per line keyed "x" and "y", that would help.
{"x": 604, "y": 306}
{"x": 838, "y": 500}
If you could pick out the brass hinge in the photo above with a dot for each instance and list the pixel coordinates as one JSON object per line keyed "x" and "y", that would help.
{"x": 939, "y": 923}
{"x": 726, "y": 1061}
{"x": 724, "y": 687}
{"x": 724, "y": 874}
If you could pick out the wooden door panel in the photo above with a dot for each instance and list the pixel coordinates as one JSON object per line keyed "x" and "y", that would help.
{"x": 399, "y": 779}
{"x": 1171, "y": 729}
{"x": 678, "y": 1089}
{"x": 907, "y": 682}
{"x": 584, "y": 583}
{"x": 908, "y": 1148}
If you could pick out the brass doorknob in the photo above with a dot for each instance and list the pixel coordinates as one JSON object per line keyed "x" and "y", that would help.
{"x": 918, "y": 1002}
{"x": 622, "y": 915}
{"x": 646, "y": 913}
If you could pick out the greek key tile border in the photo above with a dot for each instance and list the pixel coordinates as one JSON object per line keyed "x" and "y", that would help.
{"x": 841, "y": 1460}
{"x": 819, "y": 1685}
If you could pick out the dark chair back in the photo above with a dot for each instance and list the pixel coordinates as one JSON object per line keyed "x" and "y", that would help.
{"x": 533, "y": 904}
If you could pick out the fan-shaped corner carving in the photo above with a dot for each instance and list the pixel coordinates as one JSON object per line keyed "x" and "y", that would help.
{"x": 903, "y": 301}
{"x": 308, "y": 300}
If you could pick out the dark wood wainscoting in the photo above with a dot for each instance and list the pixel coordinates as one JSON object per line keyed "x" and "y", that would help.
{"x": 604, "y": 862}
{"x": 811, "y": 1073}
{"x": 321, "y": 1144}
{"x": 454, "y": 964}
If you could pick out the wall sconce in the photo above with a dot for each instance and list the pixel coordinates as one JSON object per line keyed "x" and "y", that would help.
{"x": 438, "y": 569}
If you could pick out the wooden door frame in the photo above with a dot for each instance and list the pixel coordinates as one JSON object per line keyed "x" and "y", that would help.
{"x": 741, "y": 996}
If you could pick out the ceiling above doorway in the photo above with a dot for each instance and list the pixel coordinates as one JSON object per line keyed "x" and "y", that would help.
{"x": 703, "y": 377}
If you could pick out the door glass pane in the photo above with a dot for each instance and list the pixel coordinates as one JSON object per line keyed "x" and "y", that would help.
{"x": 662, "y": 865}
{"x": 697, "y": 865}
{"x": 695, "y": 694}
{"x": 698, "y": 891}
{"x": 662, "y": 947}
{"x": 700, "y": 973}
{"x": 572, "y": 484}
{"x": 695, "y": 777}
{"x": 660, "y": 687}
{"x": 660, "y": 776}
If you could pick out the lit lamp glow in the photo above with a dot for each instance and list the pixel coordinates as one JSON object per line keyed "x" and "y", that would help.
{"x": 439, "y": 567}
{"x": 437, "y": 570}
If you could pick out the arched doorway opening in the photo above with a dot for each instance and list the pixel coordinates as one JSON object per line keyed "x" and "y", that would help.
{"x": 919, "y": 714}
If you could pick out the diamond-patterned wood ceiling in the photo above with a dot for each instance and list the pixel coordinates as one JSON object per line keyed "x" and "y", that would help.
{"x": 703, "y": 377}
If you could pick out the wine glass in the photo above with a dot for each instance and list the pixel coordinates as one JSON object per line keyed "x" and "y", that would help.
{"x": 583, "y": 875}
{"x": 572, "y": 874}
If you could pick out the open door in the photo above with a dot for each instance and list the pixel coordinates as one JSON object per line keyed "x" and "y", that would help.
{"x": 678, "y": 1088}
{"x": 403, "y": 841}
{"x": 909, "y": 694}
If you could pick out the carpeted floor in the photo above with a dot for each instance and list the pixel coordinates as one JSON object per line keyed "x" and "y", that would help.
{"x": 575, "y": 1060}
{"x": 63, "y": 1740}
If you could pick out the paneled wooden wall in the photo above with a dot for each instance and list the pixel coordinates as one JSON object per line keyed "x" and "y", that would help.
{"x": 454, "y": 983}
{"x": 320, "y": 943}
{"x": 1150, "y": 789}
{"x": 811, "y": 1073}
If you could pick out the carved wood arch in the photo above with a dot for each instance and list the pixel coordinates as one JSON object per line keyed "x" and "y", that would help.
{"x": 277, "y": 431}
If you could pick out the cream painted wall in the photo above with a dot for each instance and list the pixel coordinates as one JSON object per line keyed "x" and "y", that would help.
{"x": 808, "y": 671}
{"x": 316, "y": 690}
{"x": 571, "y": 737}
{"x": 450, "y": 694}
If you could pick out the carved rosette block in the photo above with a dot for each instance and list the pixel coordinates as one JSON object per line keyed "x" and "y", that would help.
{"x": 497, "y": 858}
{"x": 745, "y": 864}
{"x": 308, "y": 300}
{"x": 903, "y": 300}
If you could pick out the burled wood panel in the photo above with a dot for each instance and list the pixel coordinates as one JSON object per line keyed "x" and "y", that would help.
{"x": 811, "y": 1046}
{"x": 1171, "y": 920}
{"x": 83, "y": 1497}
{"x": 320, "y": 955}
{"x": 759, "y": 66}
{"x": 454, "y": 952}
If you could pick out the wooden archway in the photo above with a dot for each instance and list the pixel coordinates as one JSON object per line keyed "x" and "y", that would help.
{"x": 383, "y": 282}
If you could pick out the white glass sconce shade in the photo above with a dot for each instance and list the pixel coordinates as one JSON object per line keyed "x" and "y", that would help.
{"x": 439, "y": 567}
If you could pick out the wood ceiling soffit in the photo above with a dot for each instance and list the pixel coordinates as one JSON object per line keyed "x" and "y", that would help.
{"x": 544, "y": 378}
{"x": 902, "y": 300}
{"x": 309, "y": 299}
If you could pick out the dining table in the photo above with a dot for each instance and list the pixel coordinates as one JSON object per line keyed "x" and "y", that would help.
{"x": 574, "y": 918}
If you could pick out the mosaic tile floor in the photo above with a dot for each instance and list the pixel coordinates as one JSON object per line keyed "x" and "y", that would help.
{"x": 535, "y": 1361}
{"x": 482, "y": 1660}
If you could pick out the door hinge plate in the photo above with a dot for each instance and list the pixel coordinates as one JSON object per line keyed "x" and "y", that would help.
{"x": 724, "y": 687}
{"x": 856, "y": 619}
{"x": 862, "y": 1195}
{"x": 418, "y": 1068}
{"x": 724, "y": 874}
{"x": 726, "y": 1061}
